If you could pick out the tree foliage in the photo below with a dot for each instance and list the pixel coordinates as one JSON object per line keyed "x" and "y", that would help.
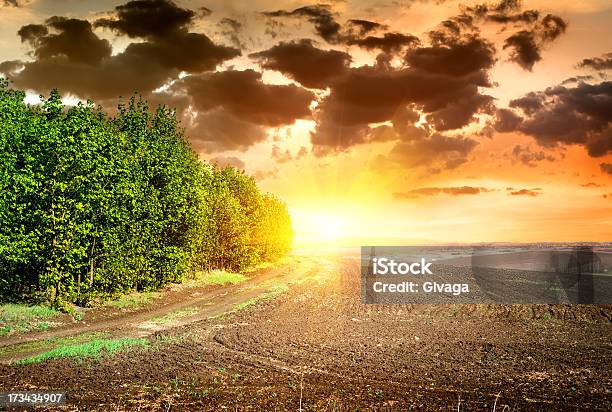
{"x": 93, "y": 206}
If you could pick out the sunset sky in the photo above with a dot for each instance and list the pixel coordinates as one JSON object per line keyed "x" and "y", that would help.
{"x": 378, "y": 122}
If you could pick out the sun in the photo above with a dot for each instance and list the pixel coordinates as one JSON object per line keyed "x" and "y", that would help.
{"x": 330, "y": 227}
{"x": 319, "y": 227}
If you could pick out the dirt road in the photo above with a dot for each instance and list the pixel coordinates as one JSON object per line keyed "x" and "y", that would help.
{"x": 316, "y": 347}
{"x": 177, "y": 306}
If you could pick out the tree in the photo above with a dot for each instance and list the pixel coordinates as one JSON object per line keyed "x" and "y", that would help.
{"x": 92, "y": 206}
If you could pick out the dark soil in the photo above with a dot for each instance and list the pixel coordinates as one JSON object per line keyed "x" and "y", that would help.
{"x": 317, "y": 346}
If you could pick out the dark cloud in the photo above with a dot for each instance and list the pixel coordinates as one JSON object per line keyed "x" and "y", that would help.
{"x": 437, "y": 152}
{"x": 528, "y": 16}
{"x": 389, "y": 42}
{"x": 404, "y": 119}
{"x": 528, "y": 157}
{"x": 598, "y": 63}
{"x": 526, "y": 45}
{"x": 458, "y": 59}
{"x": 354, "y": 32}
{"x": 569, "y": 115}
{"x": 437, "y": 82}
{"x": 321, "y": 16}
{"x": 303, "y": 62}
{"x": 76, "y": 61}
{"x": 74, "y": 39}
{"x": 577, "y": 79}
{"x": 69, "y": 56}
{"x": 165, "y": 26}
{"x": 218, "y": 130}
{"x": 551, "y": 27}
{"x": 529, "y": 103}
{"x": 331, "y": 136}
{"x": 245, "y": 95}
{"x": 436, "y": 191}
{"x": 368, "y": 95}
{"x": 191, "y": 52}
{"x": 453, "y": 30}
{"x": 31, "y": 32}
{"x": 525, "y": 192}
{"x": 525, "y": 50}
{"x": 231, "y": 110}
{"x": 503, "y": 7}
{"x": 121, "y": 75}
{"x": 403, "y": 127}
{"x": 506, "y": 121}
{"x": 360, "y": 27}
{"x": 461, "y": 111}
{"x": 231, "y": 28}
{"x": 438, "y": 88}
{"x": 148, "y": 19}
{"x": 606, "y": 168}
{"x": 504, "y": 12}
{"x": 10, "y": 68}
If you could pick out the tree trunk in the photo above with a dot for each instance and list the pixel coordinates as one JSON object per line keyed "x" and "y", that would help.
{"x": 92, "y": 265}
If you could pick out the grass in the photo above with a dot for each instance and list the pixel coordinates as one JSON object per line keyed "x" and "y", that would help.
{"x": 51, "y": 343}
{"x": 276, "y": 289}
{"x": 246, "y": 303}
{"x": 215, "y": 278}
{"x": 24, "y": 318}
{"x": 201, "y": 279}
{"x": 172, "y": 316}
{"x": 134, "y": 300}
{"x": 273, "y": 291}
{"x": 221, "y": 277}
{"x": 92, "y": 349}
{"x": 268, "y": 265}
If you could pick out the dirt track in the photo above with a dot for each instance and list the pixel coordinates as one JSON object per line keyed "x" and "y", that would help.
{"x": 318, "y": 345}
{"x": 207, "y": 302}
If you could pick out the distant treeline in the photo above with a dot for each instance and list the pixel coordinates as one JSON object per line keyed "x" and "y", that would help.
{"x": 93, "y": 206}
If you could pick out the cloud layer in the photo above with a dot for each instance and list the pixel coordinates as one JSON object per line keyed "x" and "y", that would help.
{"x": 418, "y": 95}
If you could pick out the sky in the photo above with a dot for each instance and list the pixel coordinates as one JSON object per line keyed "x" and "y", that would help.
{"x": 377, "y": 122}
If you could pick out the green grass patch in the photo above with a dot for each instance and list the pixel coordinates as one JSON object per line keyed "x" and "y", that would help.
{"x": 246, "y": 303}
{"x": 269, "y": 265}
{"x": 51, "y": 343}
{"x": 215, "y": 277}
{"x": 23, "y": 318}
{"x": 95, "y": 348}
{"x": 134, "y": 300}
{"x": 275, "y": 289}
{"x": 175, "y": 315}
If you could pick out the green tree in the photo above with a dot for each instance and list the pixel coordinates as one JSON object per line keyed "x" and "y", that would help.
{"x": 92, "y": 206}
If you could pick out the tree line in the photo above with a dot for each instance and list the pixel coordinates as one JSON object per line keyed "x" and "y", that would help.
{"x": 94, "y": 206}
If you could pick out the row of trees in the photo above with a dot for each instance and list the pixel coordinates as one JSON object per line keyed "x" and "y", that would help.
{"x": 94, "y": 206}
